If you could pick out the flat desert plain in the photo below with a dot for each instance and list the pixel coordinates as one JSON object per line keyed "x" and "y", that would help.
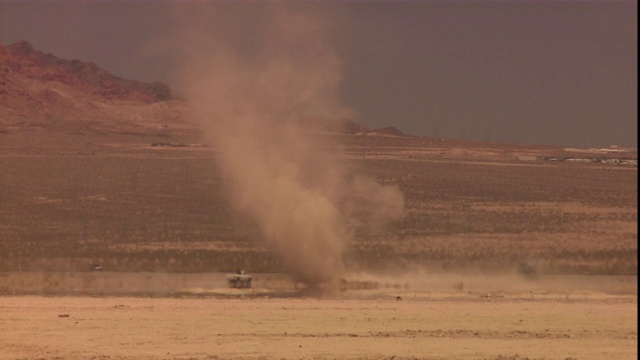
{"x": 505, "y": 252}
{"x": 252, "y": 324}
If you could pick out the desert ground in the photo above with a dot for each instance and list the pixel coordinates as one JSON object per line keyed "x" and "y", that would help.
{"x": 505, "y": 252}
{"x": 501, "y": 317}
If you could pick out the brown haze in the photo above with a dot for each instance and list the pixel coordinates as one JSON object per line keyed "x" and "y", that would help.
{"x": 263, "y": 105}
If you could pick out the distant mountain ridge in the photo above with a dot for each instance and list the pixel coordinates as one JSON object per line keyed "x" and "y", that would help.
{"x": 388, "y": 131}
{"x": 40, "y": 90}
{"x": 21, "y": 58}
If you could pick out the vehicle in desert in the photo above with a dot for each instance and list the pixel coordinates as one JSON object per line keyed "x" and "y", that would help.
{"x": 239, "y": 279}
{"x": 95, "y": 267}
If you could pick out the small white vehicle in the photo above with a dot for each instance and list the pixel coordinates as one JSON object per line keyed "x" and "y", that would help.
{"x": 239, "y": 280}
{"x": 95, "y": 267}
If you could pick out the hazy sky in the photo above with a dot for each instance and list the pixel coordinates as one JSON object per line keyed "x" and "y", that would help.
{"x": 540, "y": 72}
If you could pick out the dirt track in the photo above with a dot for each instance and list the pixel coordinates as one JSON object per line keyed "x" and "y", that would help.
{"x": 390, "y": 323}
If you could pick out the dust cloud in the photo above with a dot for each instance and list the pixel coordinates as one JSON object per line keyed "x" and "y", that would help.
{"x": 264, "y": 85}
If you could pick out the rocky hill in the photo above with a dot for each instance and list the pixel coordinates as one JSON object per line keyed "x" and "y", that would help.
{"x": 22, "y": 59}
{"x": 39, "y": 90}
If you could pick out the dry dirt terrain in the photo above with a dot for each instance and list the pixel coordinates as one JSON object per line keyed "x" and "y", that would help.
{"x": 157, "y": 204}
{"x": 445, "y": 282}
{"x": 383, "y": 324}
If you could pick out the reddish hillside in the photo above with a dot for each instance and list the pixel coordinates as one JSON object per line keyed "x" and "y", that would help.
{"x": 39, "y": 90}
{"x": 23, "y": 60}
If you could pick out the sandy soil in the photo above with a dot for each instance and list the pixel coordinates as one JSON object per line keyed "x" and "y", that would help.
{"x": 472, "y": 321}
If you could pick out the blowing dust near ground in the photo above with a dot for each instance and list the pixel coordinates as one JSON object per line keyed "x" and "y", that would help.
{"x": 261, "y": 109}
